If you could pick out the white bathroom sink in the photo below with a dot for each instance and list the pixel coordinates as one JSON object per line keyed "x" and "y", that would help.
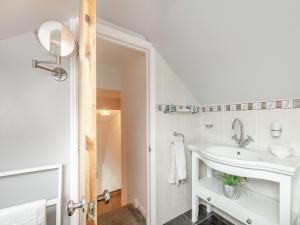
{"x": 233, "y": 152}
{"x": 247, "y": 158}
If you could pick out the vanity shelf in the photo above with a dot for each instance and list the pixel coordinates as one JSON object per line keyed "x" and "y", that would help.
{"x": 250, "y": 208}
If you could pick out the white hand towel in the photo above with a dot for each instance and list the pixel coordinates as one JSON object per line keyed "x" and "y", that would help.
{"x": 173, "y": 178}
{"x": 33, "y": 213}
{"x": 178, "y": 162}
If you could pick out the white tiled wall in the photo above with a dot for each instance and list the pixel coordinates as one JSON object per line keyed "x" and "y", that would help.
{"x": 257, "y": 124}
{"x": 172, "y": 200}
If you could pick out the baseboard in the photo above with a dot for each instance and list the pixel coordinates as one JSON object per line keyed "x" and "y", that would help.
{"x": 137, "y": 204}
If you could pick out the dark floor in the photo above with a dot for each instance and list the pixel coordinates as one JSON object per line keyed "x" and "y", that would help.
{"x": 204, "y": 218}
{"x": 125, "y": 215}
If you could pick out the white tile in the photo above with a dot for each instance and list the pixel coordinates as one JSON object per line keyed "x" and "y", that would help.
{"x": 271, "y": 105}
{"x": 244, "y": 106}
{"x": 293, "y": 121}
{"x": 233, "y": 107}
{"x": 214, "y": 133}
{"x": 290, "y": 120}
{"x": 287, "y": 104}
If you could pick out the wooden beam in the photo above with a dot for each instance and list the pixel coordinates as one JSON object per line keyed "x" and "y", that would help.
{"x": 87, "y": 105}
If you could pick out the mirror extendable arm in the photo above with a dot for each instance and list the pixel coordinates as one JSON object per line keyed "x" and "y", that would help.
{"x": 35, "y": 63}
{"x": 58, "y": 41}
{"x": 58, "y": 73}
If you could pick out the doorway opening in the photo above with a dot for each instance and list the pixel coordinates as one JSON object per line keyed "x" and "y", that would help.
{"x": 122, "y": 135}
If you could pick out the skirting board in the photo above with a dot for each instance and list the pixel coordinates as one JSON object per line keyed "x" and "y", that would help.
{"x": 137, "y": 204}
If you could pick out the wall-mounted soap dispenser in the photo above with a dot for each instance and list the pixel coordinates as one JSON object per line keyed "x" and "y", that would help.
{"x": 276, "y": 129}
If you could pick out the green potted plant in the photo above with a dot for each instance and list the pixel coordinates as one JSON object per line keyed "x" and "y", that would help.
{"x": 232, "y": 186}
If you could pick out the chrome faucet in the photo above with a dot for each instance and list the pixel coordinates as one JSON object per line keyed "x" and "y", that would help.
{"x": 242, "y": 142}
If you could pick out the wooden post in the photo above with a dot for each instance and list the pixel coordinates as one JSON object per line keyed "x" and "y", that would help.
{"x": 87, "y": 105}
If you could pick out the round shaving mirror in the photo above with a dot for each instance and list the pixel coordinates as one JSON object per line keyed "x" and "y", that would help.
{"x": 56, "y": 38}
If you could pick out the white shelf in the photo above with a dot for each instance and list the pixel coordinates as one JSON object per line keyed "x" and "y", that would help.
{"x": 261, "y": 209}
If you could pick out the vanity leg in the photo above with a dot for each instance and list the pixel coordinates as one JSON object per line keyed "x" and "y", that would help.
{"x": 285, "y": 201}
{"x": 195, "y": 178}
{"x": 209, "y": 173}
{"x": 195, "y": 208}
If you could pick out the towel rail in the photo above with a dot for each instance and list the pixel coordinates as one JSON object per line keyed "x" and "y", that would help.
{"x": 50, "y": 202}
{"x": 176, "y": 134}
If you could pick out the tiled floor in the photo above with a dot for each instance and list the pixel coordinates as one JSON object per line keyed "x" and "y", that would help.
{"x": 204, "y": 218}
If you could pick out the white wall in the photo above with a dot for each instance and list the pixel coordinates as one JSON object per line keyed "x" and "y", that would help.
{"x": 109, "y": 77}
{"x": 230, "y": 46}
{"x": 134, "y": 133}
{"x": 109, "y": 151}
{"x": 172, "y": 200}
{"x": 34, "y": 121}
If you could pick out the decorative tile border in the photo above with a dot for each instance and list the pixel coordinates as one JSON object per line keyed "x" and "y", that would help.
{"x": 177, "y": 108}
{"x": 263, "y": 105}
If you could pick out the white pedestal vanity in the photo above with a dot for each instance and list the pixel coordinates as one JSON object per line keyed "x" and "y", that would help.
{"x": 250, "y": 208}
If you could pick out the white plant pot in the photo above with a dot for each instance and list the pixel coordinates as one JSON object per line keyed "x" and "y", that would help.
{"x": 231, "y": 192}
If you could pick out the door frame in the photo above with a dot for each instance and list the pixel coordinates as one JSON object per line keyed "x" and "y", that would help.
{"x": 74, "y": 125}
{"x": 117, "y": 35}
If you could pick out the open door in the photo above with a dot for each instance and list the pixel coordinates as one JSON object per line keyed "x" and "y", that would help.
{"x": 87, "y": 115}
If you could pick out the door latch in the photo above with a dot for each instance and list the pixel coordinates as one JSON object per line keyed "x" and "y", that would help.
{"x": 72, "y": 206}
{"x": 91, "y": 214}
{"x": 90, "y": 206}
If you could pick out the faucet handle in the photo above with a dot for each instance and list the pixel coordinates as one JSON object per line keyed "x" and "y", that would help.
{"x": 235, "y": 138}
{"x": 249, "y": 139}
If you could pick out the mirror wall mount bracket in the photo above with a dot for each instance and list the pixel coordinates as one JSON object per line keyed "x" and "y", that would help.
{"x": 58, "y": 41}
{"x": 58, "y": 73}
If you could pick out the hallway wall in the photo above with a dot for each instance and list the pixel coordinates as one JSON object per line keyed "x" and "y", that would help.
{"x": 116, "y": 61}
{"x": 109, "y": 151}
{"x": 134, "y": 134}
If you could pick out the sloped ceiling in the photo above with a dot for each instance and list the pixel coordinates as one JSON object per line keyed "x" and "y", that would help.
{"x": 21, "y": 16}
{"x": 224, "y": 51}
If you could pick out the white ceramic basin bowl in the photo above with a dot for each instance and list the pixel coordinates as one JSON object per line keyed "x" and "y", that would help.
{"x": 281, "y": 151}
{"x": 247, "y": 158}
{"x": 233, "y": 153}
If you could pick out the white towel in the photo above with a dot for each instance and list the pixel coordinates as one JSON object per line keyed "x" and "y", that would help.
{"x": 33, "y": 213}
{"x": 178, "y": 162}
